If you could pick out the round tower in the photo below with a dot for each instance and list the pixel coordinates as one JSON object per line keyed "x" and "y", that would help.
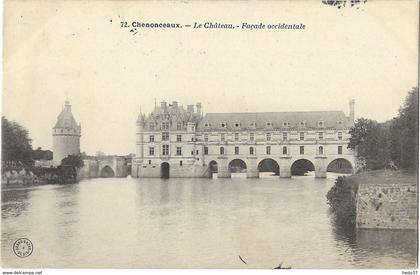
{"x": 66, "y": 135}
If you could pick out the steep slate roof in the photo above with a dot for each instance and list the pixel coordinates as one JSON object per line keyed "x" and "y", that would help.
{"x": 65, "y": 119}
{"x": 329, "y": 118}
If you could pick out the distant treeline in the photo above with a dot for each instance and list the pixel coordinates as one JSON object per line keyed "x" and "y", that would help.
{"x": 392, "y": 144}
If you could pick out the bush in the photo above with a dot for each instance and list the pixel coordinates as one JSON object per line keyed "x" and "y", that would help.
{"x": 342, "y": 200}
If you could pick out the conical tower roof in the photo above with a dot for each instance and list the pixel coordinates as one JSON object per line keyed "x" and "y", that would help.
{"x": 65, "y": 119}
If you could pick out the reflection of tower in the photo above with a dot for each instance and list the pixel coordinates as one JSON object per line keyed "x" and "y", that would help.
{"x": 66, "y": 135}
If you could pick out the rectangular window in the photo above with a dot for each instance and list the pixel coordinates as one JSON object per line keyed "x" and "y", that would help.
{"x": 268, "y": 150}
{"x": 178, "y": 151}
{"x": 340, "y": 135}
{"x": 251, "y": 136}
{"x": 206, "y": 150}
{"x": 236, "y": 150}
{"x": 222, "y": 137}
{"x": 301, "y": 135}
{"x": 180, "y": 163}
{"x": 165, "y": 136}
{"x": 320, "y": 135}
{"x": 222, "y": 150}
{"x": 152, "y": 138}
{"x": 236, "y": 136}
{"x": 179, "y": 126}
{"x": 284, "y": 136}
{"x": 178, "y": 138}
{"x": 151, "y": 151}
{"x": 197, "y": 152}
{"x": 165, "y": 149}
{"x": 251, "y": 150}
{"x": 206, "y": 137}
{"x": 340, "y": 150}
{"x": 284, "y": 150}
{"x": 150, "y": 161}
{"x": 165, "y": 125}
{"x": 268, "y": 136}
{"x": 302, "y": 150}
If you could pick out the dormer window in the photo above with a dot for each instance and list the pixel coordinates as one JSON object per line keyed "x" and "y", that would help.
{"x": 152, "y": 125}
{"x": 302, "y": 124}
{"x": 207, "y": 125}
{"x": 286, "y": 124}
{"x": 252, "y": 124}
{"x": 340, "y": 123}
{"x": 223, "y": 124}
{"x": 179, "y": 126}
{"x": 320, "y": 124}
{"x": 237, "y": 124}
{"x": 165, "y": 125}
{"x": 269, "y": 124}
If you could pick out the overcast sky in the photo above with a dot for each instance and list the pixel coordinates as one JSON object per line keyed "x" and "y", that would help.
{"x": 55, "y": 51}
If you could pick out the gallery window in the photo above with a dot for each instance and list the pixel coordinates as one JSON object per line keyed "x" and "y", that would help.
{"x": 340, "y": 150}
{"x": 222, "y": 150}
{"x": 320, "y": 135}
{"x": 284, "y": 150}
{"x": 251, "y": 150}
{"x": 284, "y": 136}
{"x": 236, "y": 136}
{"x": 340, "y": 136}
{"x": 320, "y": 150}
{"x": 251, "y": 136}
{"x": 236, "y": 150}
{"x": 302, "y": 150}
{"x": 268, "y": 150}
{"x": 268, "y": 136}
{"x": 206, "y": 137}
{"x": 301, "y": 135}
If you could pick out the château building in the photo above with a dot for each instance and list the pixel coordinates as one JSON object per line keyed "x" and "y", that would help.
{"x": 176, "y": 142}
{"x": 66, "y": 135}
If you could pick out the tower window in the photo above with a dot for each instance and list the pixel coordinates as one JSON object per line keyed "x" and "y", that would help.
{"x": 165, "y": 125}
{"x": 165, "y": 149}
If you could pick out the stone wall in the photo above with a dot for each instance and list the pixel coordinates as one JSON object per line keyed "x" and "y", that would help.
{"x": 387, "y": 205}
{"x": 175, "y": 171}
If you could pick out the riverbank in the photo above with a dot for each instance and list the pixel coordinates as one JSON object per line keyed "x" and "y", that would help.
{"x": 380, "y": 199}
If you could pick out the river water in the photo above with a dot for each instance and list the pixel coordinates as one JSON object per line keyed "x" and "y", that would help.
{"x": 192, "y": 223}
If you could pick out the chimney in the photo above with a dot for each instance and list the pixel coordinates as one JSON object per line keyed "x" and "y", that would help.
{"x": 163, "y": 105}
{"x": 174, "y": 104}
{"x": 190, "y": 108}
{"x": 351, "y": 107}
{"x": 198, "y": 105}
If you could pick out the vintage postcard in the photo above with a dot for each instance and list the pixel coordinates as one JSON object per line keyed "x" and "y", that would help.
{"x": 210, "y": 134}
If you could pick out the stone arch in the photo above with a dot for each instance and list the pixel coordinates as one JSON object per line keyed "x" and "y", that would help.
{"x": 340, "y": 165}
{"x": 107, "y": 172}
{"x": 237, "y": 166}
{"x": 268, "y": 165}
{"x": 301, "y": 166}
{"x": 164, "y": 170}
{"x": 213, "y": 168}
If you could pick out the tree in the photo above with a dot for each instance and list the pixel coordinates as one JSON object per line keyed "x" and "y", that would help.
{"x": 370, "y": 141}
{"x": 73, "y": 160}
{"x": 404, "y": 132}
{"x": 16, "y": 144}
